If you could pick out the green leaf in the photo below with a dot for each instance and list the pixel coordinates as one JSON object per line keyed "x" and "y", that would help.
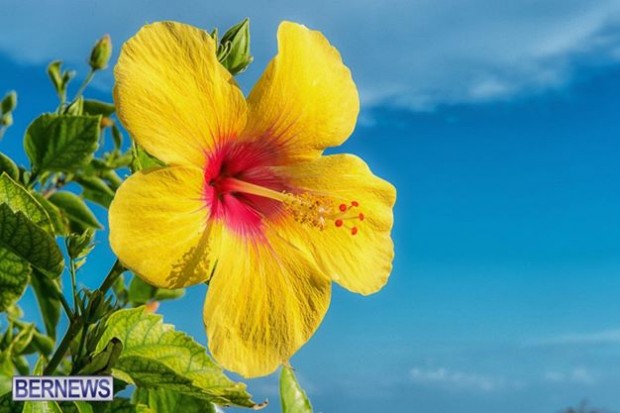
{"x": 97, "y": 107}
{"x": 292, "y": 396}
{"x": 75, "y": 209}
{"x": 59, "y": 224}
{"x": 156, "y": 356}
{"x": 29, "y": 242}
{"x": 61, "y": 142}
{"x": 121, "y": 405}
{"x": 42, "y": 343}
{"x": 6, "y": 384}
{"x": 117, "y": 136}
{"x": 96, "y": 190}
{"x": 21, "y": 365}
{"x": 235, "y": 45}
{"x": 161, "y": 400}
{"x": 49, "y": 303}
{"x": 7, "y": 405}
{"x": 83, "y": 407}
{"x": 22, "y": 339}
{"x": 165, "y": 294}
{"x": 140, "y": 292}
{"x": 41, "y": 407}
{"x": 14, "y": 275}
{"x": 20, "y": 200}
{"x": 7, "y": 165}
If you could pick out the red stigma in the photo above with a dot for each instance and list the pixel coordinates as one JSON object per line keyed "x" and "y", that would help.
{"x": 353, "y": 230}
{"x": 361, "y": 216}
{"x": 355, "y": 203}
{"x": 339, "y": 222}
{"x": 342, "y": 207}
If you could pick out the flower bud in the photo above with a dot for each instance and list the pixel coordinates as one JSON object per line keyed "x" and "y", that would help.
{"x": 101, "y": 53}
{"x": 9, "y": 102}
{"x": 54, "y": 72}
{"x": 6, "y": 120}
{"x": 76, "y": 107}
{"x": 234, "y": 50}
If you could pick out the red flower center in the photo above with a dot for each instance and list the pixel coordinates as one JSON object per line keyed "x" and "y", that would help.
{"x": 227, "y": 168}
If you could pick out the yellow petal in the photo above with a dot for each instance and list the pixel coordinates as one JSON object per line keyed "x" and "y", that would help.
{"x": 158, "y": 227}
{"x": 264, "y": 302}
{"x": 173, "y": 96}
{"x": 306, "y": 100}
{"x": 360, "y": 262}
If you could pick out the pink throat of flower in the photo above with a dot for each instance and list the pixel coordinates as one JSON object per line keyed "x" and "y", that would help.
{"x": 234, "y": 175}
{"x": 244, "y": 191}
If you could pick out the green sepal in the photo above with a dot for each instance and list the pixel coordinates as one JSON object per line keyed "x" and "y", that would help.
{"x": 292, "y": 396}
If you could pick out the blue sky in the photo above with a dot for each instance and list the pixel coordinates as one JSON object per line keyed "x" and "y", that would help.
{"x": 498, "y": 123}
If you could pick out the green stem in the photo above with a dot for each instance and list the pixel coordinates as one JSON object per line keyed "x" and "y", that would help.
{"x": 72, "y": 271}
{"x": 63, "y": 301}
{"x": 77, "y": 323}
{"x": 116, "y": 270}
{"x": 89, "y": 77}
{"x": 72, "y": 332}
{"x": 82, "y": 342}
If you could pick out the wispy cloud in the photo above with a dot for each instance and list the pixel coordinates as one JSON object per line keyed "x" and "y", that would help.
{"x": 611, "y": 336}
{"x": 457, "y": 379}
{"x": 411, "y": 54}
{"x": 578, "y": 375}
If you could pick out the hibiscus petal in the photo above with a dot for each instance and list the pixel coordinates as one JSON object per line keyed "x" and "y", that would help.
{"x": 173, "y": 96}
{"x": 159, "y": 227}
{"x": 306, "y": 100}
{"x": 355, "y": 250}
{"x": 265, "y": 300}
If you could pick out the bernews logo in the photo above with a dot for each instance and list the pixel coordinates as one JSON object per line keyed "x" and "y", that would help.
{"x": 68, "y": 388}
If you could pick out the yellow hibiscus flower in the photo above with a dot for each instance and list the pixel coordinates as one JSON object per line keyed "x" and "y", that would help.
{"x": 247, "y": 202}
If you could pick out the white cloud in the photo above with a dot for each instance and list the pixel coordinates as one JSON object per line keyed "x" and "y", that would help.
{"x": 456, "y": 379}
{"x": 578, "y": 376}
{"x": 414, "y": 54}
{"x": 595, "y": 338}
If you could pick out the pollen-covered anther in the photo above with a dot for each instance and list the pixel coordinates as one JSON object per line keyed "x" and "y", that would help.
{"x": 309, "y": 209}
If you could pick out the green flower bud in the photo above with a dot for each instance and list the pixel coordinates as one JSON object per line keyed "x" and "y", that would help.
{"x": 9, "y": 102}
{"x": 54, "y": 72}
{"x": 101, "y": 53}
{"x": 6, "y": 120}
{"x": 234, "y": 50}
{"x": 76, "y": 107}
